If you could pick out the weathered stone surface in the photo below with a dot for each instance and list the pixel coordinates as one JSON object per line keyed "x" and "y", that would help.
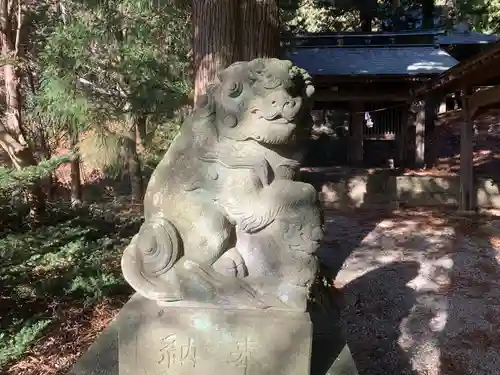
{"x": 226, "y": 257}
{"x": 173, "y": 340}
{"x": 330, "y": 354}
{"x": 225, "y": 220}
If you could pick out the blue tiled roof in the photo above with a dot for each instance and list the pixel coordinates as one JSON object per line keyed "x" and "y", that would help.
{"x": 335, "y": 61}
{"x": 471, "y": 37}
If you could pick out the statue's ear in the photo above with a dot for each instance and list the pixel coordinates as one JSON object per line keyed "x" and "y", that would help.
{"x": 233, "y": 71}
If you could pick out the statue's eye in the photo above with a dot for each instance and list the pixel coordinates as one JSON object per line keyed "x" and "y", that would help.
{"x": 235, "y": 89}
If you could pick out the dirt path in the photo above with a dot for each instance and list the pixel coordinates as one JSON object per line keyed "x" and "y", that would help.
{"x": 421, "y": 293}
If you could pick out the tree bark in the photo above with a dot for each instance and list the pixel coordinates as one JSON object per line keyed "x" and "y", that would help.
{"x": 366, "y": 22}
{"x": 19, "y": 149}
{"x": 230, "y": 30}
{"x": 12, "y": 137}
{"x": 134, "y": 164}
{"x": 215, "y": 40}
{"x": 367, "y": 10}
{"x": 396, "y": 15}
{"x": 427, "y": 14}
{"x": 259, "y": 29}
{"x": 76, "y": 181}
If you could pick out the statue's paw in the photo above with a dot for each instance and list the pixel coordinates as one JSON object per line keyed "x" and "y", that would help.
{"x": 224, "y": 288}
{"x": 231, "y": 264}
{"x": 226, "y": 267}
{"x": 163, "y": 292}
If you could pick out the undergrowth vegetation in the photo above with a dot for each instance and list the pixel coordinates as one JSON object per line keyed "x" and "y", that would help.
{"x": 72, "y": 257}
{"x": 68, "y": 259}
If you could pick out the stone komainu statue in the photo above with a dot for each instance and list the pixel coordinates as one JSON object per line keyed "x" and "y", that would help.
{"x": 224, "y": 220}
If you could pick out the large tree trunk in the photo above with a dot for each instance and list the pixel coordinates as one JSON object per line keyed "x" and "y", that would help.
{"x": 366, "y": 21}
{"x": 259, "y": 29}
{"x": 396, "y": 15}
{"x": 367, "y": 10}
{"x": 76, "y": 181}
{"x": 215, "y": 42}
{"x": 427, "y": 14}
{"x": 12, "y": 138}
{"x": 19, "y": 149}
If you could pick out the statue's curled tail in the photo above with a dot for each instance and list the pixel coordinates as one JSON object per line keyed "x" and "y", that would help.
{"x": 148, "y": 260}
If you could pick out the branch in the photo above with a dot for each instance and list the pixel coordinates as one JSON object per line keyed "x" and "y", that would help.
{"x": 19, "y": 26}
{"x": 10, "y": 8}
{"x": 86, "y": 83}
{"x": 121, "y": 90}
{"x": 63, "y": 12}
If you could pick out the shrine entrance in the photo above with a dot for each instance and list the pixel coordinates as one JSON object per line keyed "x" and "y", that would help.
{"x": 363, "y": 105}
{"x": 369, "y": 133}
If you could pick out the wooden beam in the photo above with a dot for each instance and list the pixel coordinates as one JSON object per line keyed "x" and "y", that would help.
{"x": 467, "y": 193}
{"x": 319, "y": 80}
{"x": 332, "y": 96}
{"x": 481, "y": 75}
{"x": 473, "y": 71}
{"x": 483, "y": 98}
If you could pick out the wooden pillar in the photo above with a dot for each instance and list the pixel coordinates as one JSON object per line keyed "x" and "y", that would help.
{"x": 401, "y": 136}
{"x": 467, "y": 192}
{"x": 458, "y": 99}
{"x": 450, "y": 102}
{"x": 421, "y": 130}
{"x": 431, "y": 107}
{"x": 356, "y": 148}
{"x": 420, "y": 136}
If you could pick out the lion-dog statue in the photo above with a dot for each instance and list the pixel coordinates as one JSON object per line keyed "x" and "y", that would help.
{"x": 225, "y": 222}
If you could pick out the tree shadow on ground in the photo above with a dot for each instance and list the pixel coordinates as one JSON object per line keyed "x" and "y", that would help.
{"x": 337, "y": 246}
{"x": 469, "y": 341}
{"x": 380, "y": 285}
{"x": 431, "y": 304}
{"x": 339, "y": 243}
{"x": 373, "y": 317}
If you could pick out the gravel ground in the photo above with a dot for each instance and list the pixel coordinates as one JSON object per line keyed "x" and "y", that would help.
{"x": 420, "y": 295}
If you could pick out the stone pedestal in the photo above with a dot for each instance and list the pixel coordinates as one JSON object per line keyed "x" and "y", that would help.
{"x": 142, "y": 335}
{"x": 201, "y": 340}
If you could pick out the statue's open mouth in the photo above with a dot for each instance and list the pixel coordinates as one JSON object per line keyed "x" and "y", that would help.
{"x": 280, "y": 120}
{"x": 275, "y": 117}
{"x": 279, "y": 140}
{"x": 271, "y": 116}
